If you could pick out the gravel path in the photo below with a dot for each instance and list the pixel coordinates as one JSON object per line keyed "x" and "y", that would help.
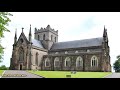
{"x": 19, "y": 74}
{"x": 113, "y": 75}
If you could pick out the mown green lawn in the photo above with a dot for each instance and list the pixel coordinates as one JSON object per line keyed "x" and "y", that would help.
{"x": 62, "y": 74}
{"x": 1, "y": 71}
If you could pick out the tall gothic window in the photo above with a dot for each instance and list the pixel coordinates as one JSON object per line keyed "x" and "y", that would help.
{"x": 55, "y": 39}
{"x": 47, "y": 62}
{"x": 38, "y": 37}
{"x": 67, "y": 62}
{"x": 56, "y": 62}
{"x": 44, "y": 37}
{"x": 94, "y": 61}
{"x": 51, "y": 37}
{"x": 36, "y": 59}
{"x": 21, "y": 40}
{"x": 79, "y": 61}
{"x": 21, "y": 54}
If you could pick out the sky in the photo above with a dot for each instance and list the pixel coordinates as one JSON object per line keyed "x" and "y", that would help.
{"x": 70, "y": 26}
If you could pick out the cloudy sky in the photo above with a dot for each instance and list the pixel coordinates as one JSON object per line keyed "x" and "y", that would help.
{"x": 70, "y": 26}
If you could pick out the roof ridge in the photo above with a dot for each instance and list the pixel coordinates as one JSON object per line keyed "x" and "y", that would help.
{"x": 80, "y": 40}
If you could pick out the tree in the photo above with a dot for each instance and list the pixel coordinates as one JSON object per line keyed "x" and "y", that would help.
{"x": 4, "y": 20}
{"x": 3, "y": 67}
{"x": 116, "y": 65}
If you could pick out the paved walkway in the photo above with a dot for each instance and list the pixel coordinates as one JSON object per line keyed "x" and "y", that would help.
{"x": 19, "y": 74}
{"x": 113, "y": 75}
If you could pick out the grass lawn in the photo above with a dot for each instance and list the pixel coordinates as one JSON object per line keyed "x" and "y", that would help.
{"x": 62, "y": 74}
{"x": 1, "y": 71}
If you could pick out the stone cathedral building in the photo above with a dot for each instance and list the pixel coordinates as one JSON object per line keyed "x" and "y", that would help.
{"x": 44, "y": 52}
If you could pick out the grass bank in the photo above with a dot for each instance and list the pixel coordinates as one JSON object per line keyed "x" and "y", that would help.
{"x": 62, "y": 74}
{"x": 1, "y": 71}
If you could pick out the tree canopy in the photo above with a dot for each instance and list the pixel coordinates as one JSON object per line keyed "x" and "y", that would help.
{"x": 116, "y": 65}
{"x": 4, "y": 20}
{"x": 3, "y": 67}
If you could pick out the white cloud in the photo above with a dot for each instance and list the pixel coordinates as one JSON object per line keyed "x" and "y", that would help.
{"x": 71, "y": 26}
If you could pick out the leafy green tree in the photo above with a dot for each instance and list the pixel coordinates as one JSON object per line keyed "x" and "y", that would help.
{"x": 3, "y": 67}
{"x": 116, "y": 65}
{"x": 4, "y": 20}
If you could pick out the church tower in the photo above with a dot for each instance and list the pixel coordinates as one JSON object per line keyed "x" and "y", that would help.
{"x": 47, "y": 36}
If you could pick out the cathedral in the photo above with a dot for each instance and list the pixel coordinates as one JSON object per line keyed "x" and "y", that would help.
{"x": 45, "y": 53}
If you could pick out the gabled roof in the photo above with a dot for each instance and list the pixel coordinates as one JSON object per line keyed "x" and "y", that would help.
{"x": 22, "y": 34}
{"x": 78, "y": 43}
{"x": 34, "y": 41}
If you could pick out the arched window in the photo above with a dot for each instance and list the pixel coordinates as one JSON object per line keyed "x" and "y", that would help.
{"x": 88, "y": 50}
{"x": 38, "y": 37}
{"x": 47, "y": 62}
{"x": 44, "y": 37}
{"x": 66, "y": 52}
{"x": 21, "y": 54}
{"x": 36, "y": 59}
{"x": 79, "y": 61}
{"x": 56, "y": 62}
{"x": 51, "y": 37}
{"x": 55, "y": 39}
{"x": 76, "y": 51}
{"x": 94, "y": 61}
{"x": 67, "y": 62}
{"x": 56, "y": 52}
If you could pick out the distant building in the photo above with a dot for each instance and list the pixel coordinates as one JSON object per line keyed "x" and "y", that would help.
{"x": 44, "y": 52}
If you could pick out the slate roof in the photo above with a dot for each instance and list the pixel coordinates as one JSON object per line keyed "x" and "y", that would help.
{"x": 78, "y": 43}
{"x": 37, "y": 43}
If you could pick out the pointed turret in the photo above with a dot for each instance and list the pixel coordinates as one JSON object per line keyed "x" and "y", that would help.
{"x": 30, "y": 35}
{"x": 22, "y": 29}
{"x": 105, "y": 34}
{"x": 30, "y": 52}
{"x": 15, "y": 38}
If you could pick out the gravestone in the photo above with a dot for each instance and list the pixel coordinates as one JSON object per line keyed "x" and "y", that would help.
{"x": 68, "y": 76}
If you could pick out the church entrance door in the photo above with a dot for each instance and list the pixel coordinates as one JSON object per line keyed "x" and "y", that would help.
{"x": 20, "y": 66}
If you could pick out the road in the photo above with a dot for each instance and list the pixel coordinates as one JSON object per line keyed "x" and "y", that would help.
{"x": 19, "y": 74}
{"x": 113, "y": 75}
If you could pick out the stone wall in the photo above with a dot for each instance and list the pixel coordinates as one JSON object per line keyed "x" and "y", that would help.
{"x": 40, "y": 57}
{"x": 86, "y": 63}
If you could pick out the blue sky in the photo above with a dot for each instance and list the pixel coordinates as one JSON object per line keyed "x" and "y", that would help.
{"x": 70, "y": 26}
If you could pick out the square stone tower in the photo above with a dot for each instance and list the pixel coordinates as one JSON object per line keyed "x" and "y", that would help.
{"x": 47, "y": 36}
